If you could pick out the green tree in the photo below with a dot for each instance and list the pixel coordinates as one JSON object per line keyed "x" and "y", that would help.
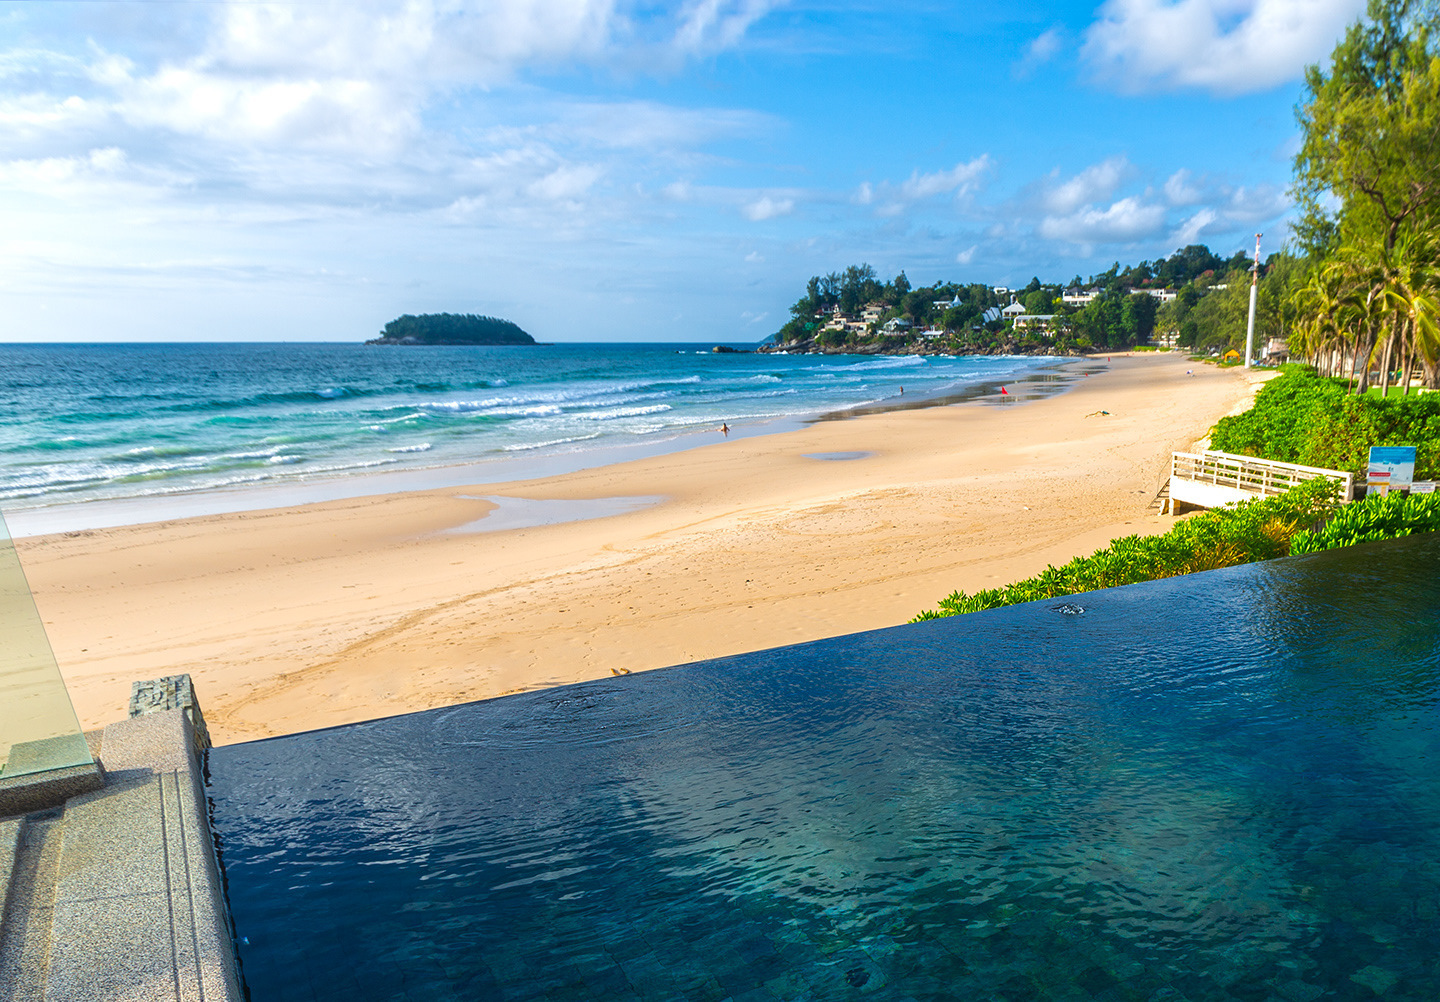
{"x": 1370, "y": 131}
{"x": 1138, "y": 317}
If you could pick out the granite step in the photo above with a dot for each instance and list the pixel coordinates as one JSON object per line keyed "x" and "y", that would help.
{"x": 117, "y": 895}
{"x": 29, "y": 904}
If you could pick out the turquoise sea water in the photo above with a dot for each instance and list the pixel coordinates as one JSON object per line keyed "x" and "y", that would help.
{"x": 1215, "y": 788}
{"x": 105, "y": 422}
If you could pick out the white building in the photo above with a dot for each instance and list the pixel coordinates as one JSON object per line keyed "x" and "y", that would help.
{"x": 1039, "y": 321}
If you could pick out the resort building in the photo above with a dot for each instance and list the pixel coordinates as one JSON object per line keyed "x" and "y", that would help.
{"x": 1034, "y": 321}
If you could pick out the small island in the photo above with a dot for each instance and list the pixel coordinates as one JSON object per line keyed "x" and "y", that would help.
{"x": 451, "y": 329}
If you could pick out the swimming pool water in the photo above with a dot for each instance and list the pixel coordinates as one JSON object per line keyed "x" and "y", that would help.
{"x": 1216, "y": 787}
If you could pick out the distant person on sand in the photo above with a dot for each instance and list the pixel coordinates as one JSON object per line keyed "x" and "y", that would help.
{"x": 725, "y": 429}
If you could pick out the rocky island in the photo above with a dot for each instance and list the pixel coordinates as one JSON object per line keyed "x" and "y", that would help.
{"x": 451, "y": 329}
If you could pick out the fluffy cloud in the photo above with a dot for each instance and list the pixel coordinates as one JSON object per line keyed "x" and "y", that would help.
{"x": 960, "y": 179}
{"x": 892, "y": 199}
{"x": 1125, "y": 221}
{"x": 766, "y": 207}
{"x": 708, "y": 25}
{"x": 1225, "y": 46}
{"x": 1191, "y": 230}
{"x": 1096, "y": 182}
{"x": 1041, "y": 50}
{"x": 1179, "y": 189}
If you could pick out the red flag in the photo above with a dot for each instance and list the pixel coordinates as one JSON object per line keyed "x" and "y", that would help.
{"x": 1004, "y": 391}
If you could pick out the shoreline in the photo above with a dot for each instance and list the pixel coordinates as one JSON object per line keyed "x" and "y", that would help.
{"x": 293, "y": 619}
{"x": 109, "y": 513}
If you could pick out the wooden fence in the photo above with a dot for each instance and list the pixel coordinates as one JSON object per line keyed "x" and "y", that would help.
{"x": 1210, "y": 479}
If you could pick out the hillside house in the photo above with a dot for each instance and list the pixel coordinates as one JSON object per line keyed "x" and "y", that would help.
{"x": 1039, "y": 322}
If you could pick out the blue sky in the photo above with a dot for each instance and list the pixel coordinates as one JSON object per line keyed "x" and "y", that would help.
{"x": 613, "y": 170}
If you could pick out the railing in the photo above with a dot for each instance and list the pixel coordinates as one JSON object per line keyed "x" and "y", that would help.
{"x": 1209, "y": 478}
{"x": 38, "y": 728}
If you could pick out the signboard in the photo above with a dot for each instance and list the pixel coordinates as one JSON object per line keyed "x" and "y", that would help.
{"x": 1391, "y": 466}
{"x": 1423, "y": 487}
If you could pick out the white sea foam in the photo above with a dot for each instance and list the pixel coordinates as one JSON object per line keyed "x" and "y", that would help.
{"x": 624, "y": 412}
{"x": 422, "y": 447}
{"x": 496, "y": 407}
{"x": 527, "y": 446}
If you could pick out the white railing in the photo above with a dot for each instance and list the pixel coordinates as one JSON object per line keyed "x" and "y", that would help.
{"x": 1211, "y": 478}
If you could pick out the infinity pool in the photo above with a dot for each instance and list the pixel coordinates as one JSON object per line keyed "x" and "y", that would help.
{"x": 1223, "y": 786}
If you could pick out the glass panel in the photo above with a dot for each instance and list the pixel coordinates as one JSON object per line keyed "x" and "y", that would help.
{"x": 38, "y": 727}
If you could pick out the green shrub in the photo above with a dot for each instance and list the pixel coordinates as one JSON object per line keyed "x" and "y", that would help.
{"x": 1370, "y": 519}
{"x": 1299, "y": 417}
{"x": 1236, "y": 534}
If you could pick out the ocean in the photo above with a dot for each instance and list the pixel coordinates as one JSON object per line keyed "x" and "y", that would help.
{"x": 94, "y": 435}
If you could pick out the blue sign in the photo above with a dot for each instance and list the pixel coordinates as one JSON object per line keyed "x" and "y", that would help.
{"x": 1392, "y": 466}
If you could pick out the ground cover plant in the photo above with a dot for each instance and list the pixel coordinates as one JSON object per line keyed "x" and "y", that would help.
{"x": 1305, "y": 519}
{"x": 1299, "y": 417}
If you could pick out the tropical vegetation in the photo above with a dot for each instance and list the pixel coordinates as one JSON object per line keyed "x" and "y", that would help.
{"x": 452, "y": 329}
{"x": 1302, "y": 417}
{"x": 1305, "y": 519}
{"x": 1367, "y": 182}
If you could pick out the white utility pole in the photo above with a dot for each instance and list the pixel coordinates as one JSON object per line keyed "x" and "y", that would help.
{"x": 1250, "y": 327}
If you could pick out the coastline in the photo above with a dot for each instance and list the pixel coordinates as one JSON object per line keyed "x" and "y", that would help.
{"x": 172, "y": 504}
{"x": 295, "y": 618}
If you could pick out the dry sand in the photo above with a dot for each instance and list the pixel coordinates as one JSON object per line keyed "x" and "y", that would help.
{"x": 330, "y": 613}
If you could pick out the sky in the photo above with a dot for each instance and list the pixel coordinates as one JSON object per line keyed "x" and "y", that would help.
{"x": 616, "y": 170}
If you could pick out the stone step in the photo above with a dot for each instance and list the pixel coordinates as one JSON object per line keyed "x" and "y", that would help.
{"x": 137, "y": 914}
{"x": 29, "y": 904}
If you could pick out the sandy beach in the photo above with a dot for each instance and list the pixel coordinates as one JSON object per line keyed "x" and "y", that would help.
{"x": 325, "y": 614}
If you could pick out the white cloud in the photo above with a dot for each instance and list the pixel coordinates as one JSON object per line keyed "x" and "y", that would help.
{"x": 766, "y": 207}
{"x": 1124, "y": 221}
{"x": 967, "y": 255}
{"x": 566, "y": 182}
{"x": 1225, "y": 46}
{"x": 1040, "y": 51}
{"x": 708, "y": 25}
{"x": 1256, "y": 204}
{"x": 1192, "y": 229}
{"x": 960, "y": 179}
{"x": 1180, "y": 190}
{"x": 754, "y": 257}
{"x": 343, "y": 115}
{"x": 865, "y": 194}
{"x": 1095, "y": 182}
{"x": 648, "y": 125}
